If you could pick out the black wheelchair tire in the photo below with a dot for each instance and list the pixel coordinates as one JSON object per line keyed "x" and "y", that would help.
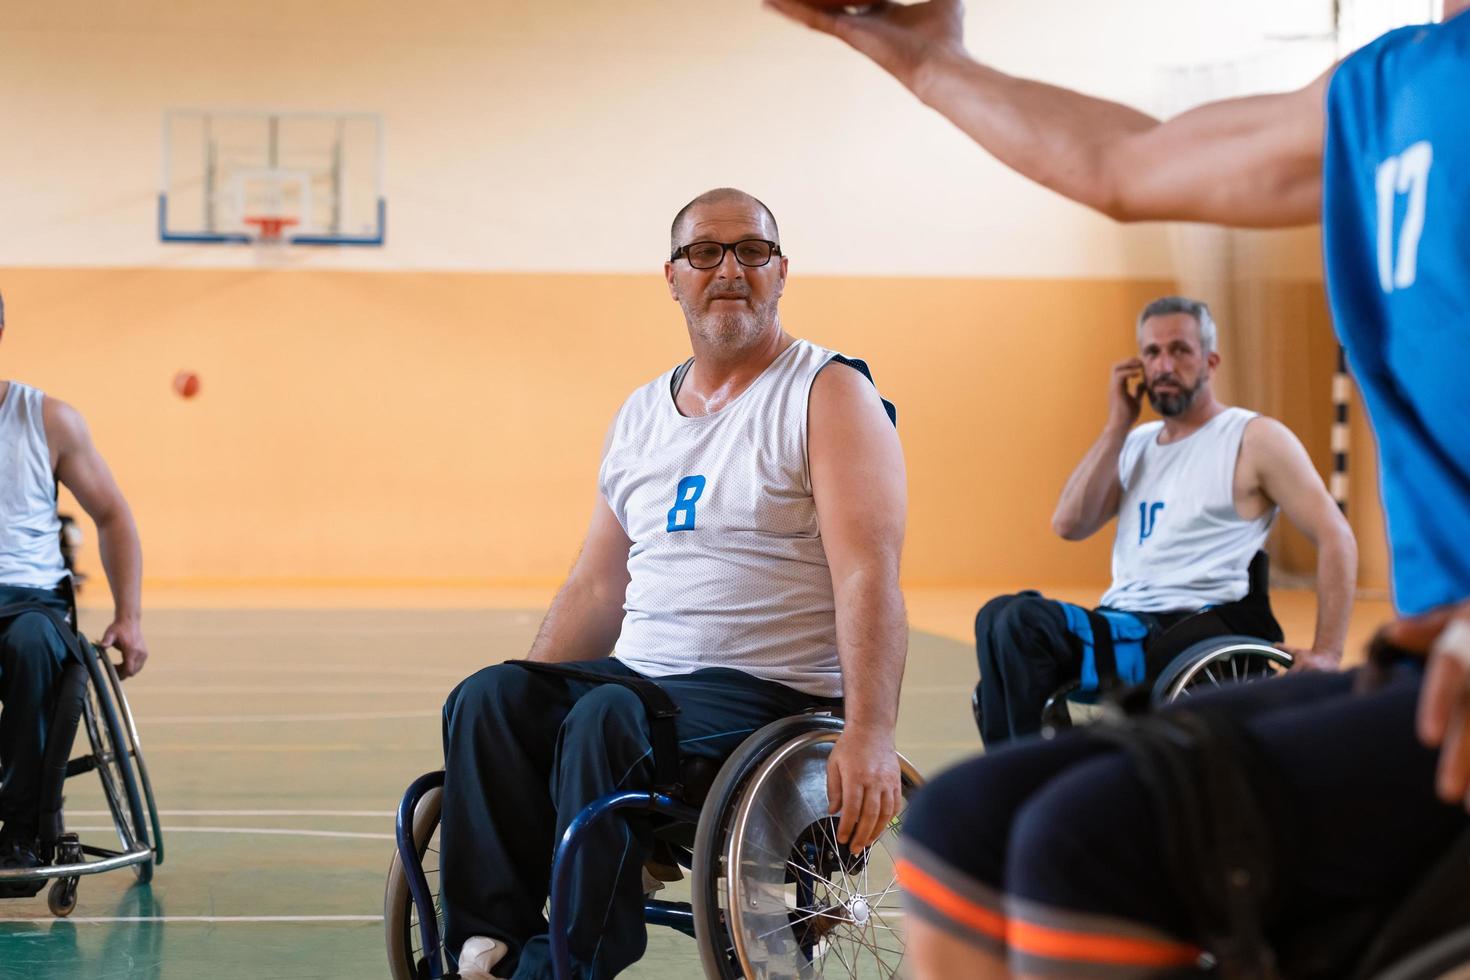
{"x": 1179, "y": 669}
{"x": 1448, "y": 956}
{"x": 145, "y": 784}
{"x": 128, "y": 813}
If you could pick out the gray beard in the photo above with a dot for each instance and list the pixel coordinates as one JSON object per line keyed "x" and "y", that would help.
{"x": 1171, "y": 405}
{"x": 731, "y": 331}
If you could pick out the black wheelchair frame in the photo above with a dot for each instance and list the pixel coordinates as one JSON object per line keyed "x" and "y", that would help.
{"x": 1208, "y": 663}
{"x": 726, "y": 917}
{"x": 90, "y": 696}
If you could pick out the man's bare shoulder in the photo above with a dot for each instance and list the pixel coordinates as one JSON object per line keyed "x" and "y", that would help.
{"x": 65, "y": 427}
{"x": 841, "y": 387}
{"x": 1270, "y": 451}
{"x": 1264, "y": 433}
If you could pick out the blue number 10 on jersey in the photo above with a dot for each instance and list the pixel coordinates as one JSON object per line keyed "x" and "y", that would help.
{"x": 681, "y": 516}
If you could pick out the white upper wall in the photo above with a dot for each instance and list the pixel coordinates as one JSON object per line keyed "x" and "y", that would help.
{"x": 561, "y": 135}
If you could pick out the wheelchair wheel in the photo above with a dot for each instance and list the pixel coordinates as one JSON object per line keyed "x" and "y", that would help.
{"x": 61, "y": 899}
{"x": 1447, "y": 957}
{"x": 774, "y": 894}
{"x": 113, "y": 757}
{"x": 145, "y": 785}
{"x": 1216, "y": 662}
{"x": 400, "y": 917}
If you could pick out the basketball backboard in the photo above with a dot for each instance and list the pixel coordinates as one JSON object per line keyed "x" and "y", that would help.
{"x": 301, "y": 178}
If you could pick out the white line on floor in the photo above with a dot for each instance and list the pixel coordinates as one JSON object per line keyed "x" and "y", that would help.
{"x": 247, "y": 813}
{"x": 276, "y": 690}
{"x": 100, "y": 919}
{"x": 271, "y": 831}
{"x": 247, "y": 719}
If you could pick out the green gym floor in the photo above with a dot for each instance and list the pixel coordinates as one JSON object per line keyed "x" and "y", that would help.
{"x": 279, "y": 742}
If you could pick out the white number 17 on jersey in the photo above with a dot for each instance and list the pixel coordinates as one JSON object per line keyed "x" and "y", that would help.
{"x": 1407, "y": 173}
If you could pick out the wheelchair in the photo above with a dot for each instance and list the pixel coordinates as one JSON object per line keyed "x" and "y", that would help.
{"x": 773, "y": 894}
{"x": 91, "y": 697}
{"x": 1210, "y": 663}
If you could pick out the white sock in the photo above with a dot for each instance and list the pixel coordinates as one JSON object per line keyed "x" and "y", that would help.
{"x": 478, "y": 956}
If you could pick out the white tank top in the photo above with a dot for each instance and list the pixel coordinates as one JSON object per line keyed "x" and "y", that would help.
{"x": 1181, "y": 545}
{"x": 727, "y": 564}
{"x": 30, "y": 531}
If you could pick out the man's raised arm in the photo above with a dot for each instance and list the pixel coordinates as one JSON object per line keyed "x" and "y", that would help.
{"x": 1090, "y": 498}
{"x": 1253, "y": 162}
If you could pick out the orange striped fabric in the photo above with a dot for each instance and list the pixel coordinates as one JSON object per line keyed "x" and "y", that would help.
{"x": 1043, "y": 941}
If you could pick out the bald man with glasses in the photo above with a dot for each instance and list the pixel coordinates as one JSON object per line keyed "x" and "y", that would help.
{"x": 744, "y": 554}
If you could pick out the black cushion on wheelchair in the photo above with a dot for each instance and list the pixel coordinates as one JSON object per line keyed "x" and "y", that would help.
{"x": 696, "y": 775}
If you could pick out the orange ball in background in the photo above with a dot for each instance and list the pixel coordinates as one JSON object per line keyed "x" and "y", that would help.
{"x": 186, "y": 384}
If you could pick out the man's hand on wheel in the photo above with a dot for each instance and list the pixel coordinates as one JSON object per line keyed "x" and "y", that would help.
{"x": 1312, "y": 659}
{"x": 863, "y": 785}
{"x": 899, "y": 37}
{"x": 1444, "y": 700}
{"x": 127, "y": 636}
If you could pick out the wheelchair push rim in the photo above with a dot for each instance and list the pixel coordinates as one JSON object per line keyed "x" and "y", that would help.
{"x": 400, "y": 912}
{"x": 1217, "y": 663}
{"x": 114, "y": 761}
{"x": 797, "y": 903}
{"x": 145, "y": 784}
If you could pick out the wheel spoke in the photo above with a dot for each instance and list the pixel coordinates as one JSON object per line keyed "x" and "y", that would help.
{"x": 798, "y": 920}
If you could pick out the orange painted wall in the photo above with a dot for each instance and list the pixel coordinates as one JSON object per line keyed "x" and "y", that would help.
{"x": 407, "y": 427}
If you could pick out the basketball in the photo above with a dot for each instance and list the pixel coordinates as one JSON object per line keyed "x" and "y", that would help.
{"x": 186, "y": 384}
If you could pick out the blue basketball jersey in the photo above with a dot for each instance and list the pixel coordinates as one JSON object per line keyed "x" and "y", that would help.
{"x": 1396, "y": 229}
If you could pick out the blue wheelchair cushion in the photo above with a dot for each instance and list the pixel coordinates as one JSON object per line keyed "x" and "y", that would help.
{"x": 1126, "y": 636}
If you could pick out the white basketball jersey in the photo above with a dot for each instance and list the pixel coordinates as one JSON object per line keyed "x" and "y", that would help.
{"x": 727, "y": 563}
{"x": 30, "y": 531}
{"x": 1181, "y": 545}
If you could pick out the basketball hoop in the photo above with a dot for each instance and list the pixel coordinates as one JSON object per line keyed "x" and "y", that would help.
{"x": 269, "y": 226}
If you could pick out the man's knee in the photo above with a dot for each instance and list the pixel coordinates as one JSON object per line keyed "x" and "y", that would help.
{"x": 1006, "y": 624}
{"x": 491, "y": 689}
{"x": 32, "y": 644}
{"x": 608, "y": 710}
{"x": 986, "y": 617}
{"x": 975, "y": 844}
{"x": 1089, "y": 828}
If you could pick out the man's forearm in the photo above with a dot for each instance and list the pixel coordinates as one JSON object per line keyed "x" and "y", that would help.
{"x": 1337, "y": 575}
{"x": 1082, "y": 508}
{"x": 872, "y": 644}
{"x": 1054, "y": 136}
{"x": 122, "y": 561}
{"x": 582, "y": 624}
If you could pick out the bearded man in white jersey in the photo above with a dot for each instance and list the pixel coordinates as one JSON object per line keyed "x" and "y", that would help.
{"x": 744, "y": 553}
{"x": 44, "y": 442}
{"x": 1195, "y": 496}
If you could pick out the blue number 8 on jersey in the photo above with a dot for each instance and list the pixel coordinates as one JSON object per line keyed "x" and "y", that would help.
{"x": 681, "y": 516}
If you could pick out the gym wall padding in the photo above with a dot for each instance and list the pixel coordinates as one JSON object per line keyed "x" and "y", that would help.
{"x": 407, "y": 427}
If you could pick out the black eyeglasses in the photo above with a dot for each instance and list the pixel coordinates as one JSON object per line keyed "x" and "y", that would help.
{"x": 749, "y": 252}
